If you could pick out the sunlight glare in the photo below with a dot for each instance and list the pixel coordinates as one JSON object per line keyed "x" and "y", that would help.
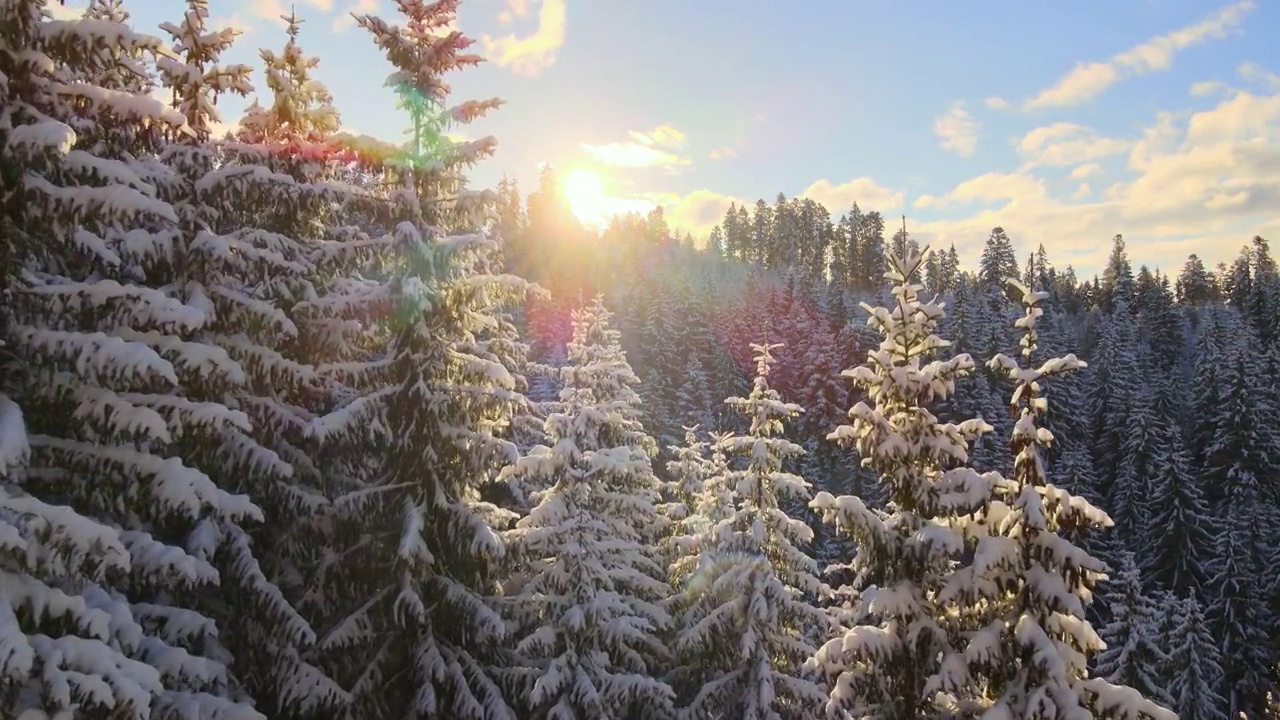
{"x": 585, "y": 195}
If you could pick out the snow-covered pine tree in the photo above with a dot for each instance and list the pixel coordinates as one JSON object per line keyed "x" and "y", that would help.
{"x": 1178, "y": 531}
{"x": 586, "y": 618}
{"x": 693, "y": 397}
{"x": 884, "y": 664}
{"x": 1025, "y": 592}
{"x": 301, "y": 109}
{"x": 119, "y": 522}
{"x": 698, "y": 499}
{"x": 1114, "y": 370}
{"x": 1195, "y": 671}
{"x": 245, "y": 277}
{"x": 405, "y": 583}
{"x": 1238, "y": 465}
{"x": 688, "y": 469}
{"x": 1134, "y": 656}
{"x": 749, "y": 613}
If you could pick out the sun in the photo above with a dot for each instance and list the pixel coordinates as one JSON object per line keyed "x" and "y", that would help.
{"x": 585, "y": 195}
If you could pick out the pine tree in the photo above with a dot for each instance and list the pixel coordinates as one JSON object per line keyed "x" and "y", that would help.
{"x": 885, "y": 664}
{"x": 220, "y": 259}
{"x": 413, "y": 551}
{"x": 1195, "y": 285}
{"x": 302, "y": 109}
{"x": 1133, "y": 654}
{"x": 1113, "y": 399}
{"x": 999, "y": 263}
{"x": 743, "y": 636}
{"x": 1178, "y": 535}
{"x": 693, "y": 399}
{"x": 586, "y": 613}
{"x": 1025, "y": 593}
{"x": 126, "y": 516}
{"x": 1196, "y": 670}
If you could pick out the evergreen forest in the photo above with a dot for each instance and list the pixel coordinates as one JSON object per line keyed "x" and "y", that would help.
{"x": 300, "y": 425}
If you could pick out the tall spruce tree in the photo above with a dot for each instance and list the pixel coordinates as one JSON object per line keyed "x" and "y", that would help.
{"x": 743, "y": 638}
{"x": 586, "y": 616}
{"x": 412, "y": 560}
{"x": 1178, "y": 532}
{"x": 1134, "y": 654}
{"x": 1196, "y": 668}
{"x": 130, "y": 511}
{"x": 1024, "y": 595}
{"x": 886, "y": 664}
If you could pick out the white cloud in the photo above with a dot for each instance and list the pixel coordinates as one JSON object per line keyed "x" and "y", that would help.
{"x": 665, "y": 135}
{"x": 925, "y": 201}
{"x": 1205, "y": 88}
{"x": 1067, "y": 143}
{"x": 532, "y": 54}
{"x": 344, "y": 20}
{"x": 325, "y": 6}
{"x": 997, "y": 103}
{"x": 649, "y": 148}
{"x": 722, "y": 152}
{"x": 1088, "y": 80}
{"x": 863, "y": 190}
{"x": 634, "y": 155}
{"x": 1199, "y": 181}
{"x": 1260, "y": 76}
{"x": 957, "y": 130}
{"x": 1085, "y": 171}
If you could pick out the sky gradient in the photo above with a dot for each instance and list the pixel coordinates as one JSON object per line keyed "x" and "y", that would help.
{"x": 1063, "y": 122}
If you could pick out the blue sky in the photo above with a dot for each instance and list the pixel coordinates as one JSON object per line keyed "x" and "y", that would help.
{"x": 1064, "y": 122}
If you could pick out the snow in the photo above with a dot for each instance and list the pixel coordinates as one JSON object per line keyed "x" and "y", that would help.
{"x": 13, "y": 437}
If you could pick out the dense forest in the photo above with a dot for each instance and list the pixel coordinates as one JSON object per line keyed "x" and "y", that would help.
{"x": 297, "y": 424}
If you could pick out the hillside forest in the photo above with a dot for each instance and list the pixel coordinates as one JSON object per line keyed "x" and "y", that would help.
{"x": 297, "y": 424}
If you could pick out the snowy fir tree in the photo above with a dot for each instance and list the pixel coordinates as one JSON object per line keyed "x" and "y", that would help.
{"x": 115, "y": 379}
{"x": 886, "y": 663}
{"x": 1028, "y": 585}
{"x": 744, "y": 636}
{"x": 1196, "y": 670}
{"x": 1134, "y": 654}
{"x": 282, "y": 433}
{"x": 697, "y": 499}
{"x": 1179, "y": 530}
{"x": 586, "y": 617}
{"x": 405, "y": 586}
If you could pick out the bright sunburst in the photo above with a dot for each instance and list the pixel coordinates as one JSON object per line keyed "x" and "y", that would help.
{"x": 585, "y": 194}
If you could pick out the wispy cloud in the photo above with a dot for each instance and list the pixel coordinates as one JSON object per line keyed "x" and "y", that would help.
{"x": 634, "y": 155}
{"x": 271, "y": 10}
{"x": 1067, "y": 143}
{"x": 1088, "y": 80}
{"x": 1259, "y": 75}
{"x": 957, "y": 130}
{"x": 515, "y": 9}
{"x": 1205, "y": 88}
{"x": 531, "y": 54}
{"x": 665, "y": 135}
{"x": 647, "y": 148}
{"x": 863, "y": 190}
{"x": 1085, "y": 171}
{"x": 721, "y": 153}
